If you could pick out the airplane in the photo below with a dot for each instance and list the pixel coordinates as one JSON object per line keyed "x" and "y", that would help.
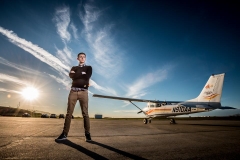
{"x": 208, "y": 100}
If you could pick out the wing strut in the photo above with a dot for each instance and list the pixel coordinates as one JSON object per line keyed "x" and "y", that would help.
{"x": 138, "y": 108}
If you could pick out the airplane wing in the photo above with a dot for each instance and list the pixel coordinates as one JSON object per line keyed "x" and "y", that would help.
{"x": 133, "y": 99}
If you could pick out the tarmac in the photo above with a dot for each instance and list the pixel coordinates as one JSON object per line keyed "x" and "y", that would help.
{"x": 34, "y": 138}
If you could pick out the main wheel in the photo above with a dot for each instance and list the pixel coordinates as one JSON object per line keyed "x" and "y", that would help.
{"x": 145, "y": 121}
{"x": 172, "y": 121}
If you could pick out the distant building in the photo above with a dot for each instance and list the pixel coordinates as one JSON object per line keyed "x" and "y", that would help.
{"x": 98, "y": 116}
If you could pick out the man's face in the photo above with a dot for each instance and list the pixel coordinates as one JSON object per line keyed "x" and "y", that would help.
{"x": 81, "y": 58}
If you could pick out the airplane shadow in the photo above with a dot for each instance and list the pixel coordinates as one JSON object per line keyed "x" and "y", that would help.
{"x": 82, "y": 149}
{"x": 215, "y": 125}
{"x": 126, "y": 154}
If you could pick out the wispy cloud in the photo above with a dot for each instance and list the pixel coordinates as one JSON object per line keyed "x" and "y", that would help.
{"x": 100, "y": 88}
{"x": 107, "y": 57}
{"x": 74, "y": 30}
{"x": 138, "y": 88}
{"x": 64, "y": 55}
{"x": 9, "y": 91}
{"x": 62, "y": 81}
{"x": 18, "y": 67}
{"x": 126, "y": 103}
{"x": 36, "y": 51}
{"x": 7, "y": 78}
{"x": 62, "y": 23}
{"x": 4, "y": 78}
{"x": 62, "y": 19}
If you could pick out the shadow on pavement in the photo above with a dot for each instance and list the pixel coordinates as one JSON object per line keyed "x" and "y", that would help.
{"x": 81, "y": 149}
{"x": 216, "y": 125}
{"x": 126, "y": 154}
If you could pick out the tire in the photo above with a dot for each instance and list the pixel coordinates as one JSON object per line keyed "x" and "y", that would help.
{"x": 172, "y": 121}
{"x": 145, "y": 121}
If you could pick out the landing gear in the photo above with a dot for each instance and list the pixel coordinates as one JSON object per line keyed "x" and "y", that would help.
{"x": 145, "y": 120}
{"x": 172, "y": 121}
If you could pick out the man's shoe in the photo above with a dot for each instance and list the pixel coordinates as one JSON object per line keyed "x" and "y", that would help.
{"x": 88, "y": 137}
{"x": 61, "y": 137}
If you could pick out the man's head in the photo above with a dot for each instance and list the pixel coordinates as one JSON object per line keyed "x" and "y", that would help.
{"x": 81, "y": 57}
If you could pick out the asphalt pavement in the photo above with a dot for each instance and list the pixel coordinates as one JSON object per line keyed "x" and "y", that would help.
{"x": 34, "y": 138}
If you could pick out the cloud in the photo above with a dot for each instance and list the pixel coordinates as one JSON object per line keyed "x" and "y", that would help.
{"x": 100, "y": 88}
{"x": 126, "y": 104}
{"x": 74, "y": 30}
{"x": 64, "y": 55}
{"x": 62, "y": 23}
{"x": 18, "y": 67}
{"x": 62, "y": 81}
{"x": 138, "y": 88}
{"x": 8, "y": 78}
{"x": 107, "y": 57}
{"x": 10, "y": 91}
{"x": 62, "y": 19}
{"x": 36, "y": 51}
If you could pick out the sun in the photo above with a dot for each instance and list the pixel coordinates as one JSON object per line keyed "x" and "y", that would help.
{"x": 30, "y": 93}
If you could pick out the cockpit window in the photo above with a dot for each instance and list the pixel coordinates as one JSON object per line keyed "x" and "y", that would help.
{"x": 151, "y": 106}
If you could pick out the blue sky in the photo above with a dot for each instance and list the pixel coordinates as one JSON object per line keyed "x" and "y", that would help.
{"x": 141, "y": 49}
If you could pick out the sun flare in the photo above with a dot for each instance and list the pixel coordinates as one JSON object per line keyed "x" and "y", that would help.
{"x": 30, "y": 93}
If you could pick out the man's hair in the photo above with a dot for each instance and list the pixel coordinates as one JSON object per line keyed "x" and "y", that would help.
{"x": 81, "y": 53}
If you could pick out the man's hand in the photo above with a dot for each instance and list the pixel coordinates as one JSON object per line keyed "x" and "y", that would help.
{"x": 72, "y": 72}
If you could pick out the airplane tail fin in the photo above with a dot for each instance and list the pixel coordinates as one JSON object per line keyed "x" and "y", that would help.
{"x": 212, "y": 91}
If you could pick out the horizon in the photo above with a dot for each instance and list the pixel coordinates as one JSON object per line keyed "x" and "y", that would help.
{"x": 213, "y": 113}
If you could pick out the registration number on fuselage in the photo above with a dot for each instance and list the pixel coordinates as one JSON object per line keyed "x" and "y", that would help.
{"x": 181, "y": 109}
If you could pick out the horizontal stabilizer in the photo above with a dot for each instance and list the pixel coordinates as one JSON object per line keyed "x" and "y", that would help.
{"x": 227, "y": 107}
{"x": 203, "y": 106}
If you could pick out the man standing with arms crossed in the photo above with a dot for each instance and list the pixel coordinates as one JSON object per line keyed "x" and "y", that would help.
{"x": 79, "y": 91}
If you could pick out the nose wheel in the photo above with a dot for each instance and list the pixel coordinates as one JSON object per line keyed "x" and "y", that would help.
{"x": 146, "y": 121}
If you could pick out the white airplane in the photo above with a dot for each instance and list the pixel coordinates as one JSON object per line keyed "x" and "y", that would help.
{"x": 208, "y": 100}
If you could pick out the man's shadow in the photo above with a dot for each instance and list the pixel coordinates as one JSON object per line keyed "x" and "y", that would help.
{"x": 81, "y": 149}
{"x": 126, "y": 154}
{"x": 95, "y": 155}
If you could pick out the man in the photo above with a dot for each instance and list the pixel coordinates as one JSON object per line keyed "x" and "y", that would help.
{"x": 79, "y": 91}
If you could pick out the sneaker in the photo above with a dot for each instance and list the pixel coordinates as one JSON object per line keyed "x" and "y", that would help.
{"x": 88, "y": 137}
{"x": 62, "y": 137}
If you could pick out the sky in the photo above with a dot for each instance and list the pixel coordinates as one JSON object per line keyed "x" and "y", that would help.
{"x": 158, "y": 50}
